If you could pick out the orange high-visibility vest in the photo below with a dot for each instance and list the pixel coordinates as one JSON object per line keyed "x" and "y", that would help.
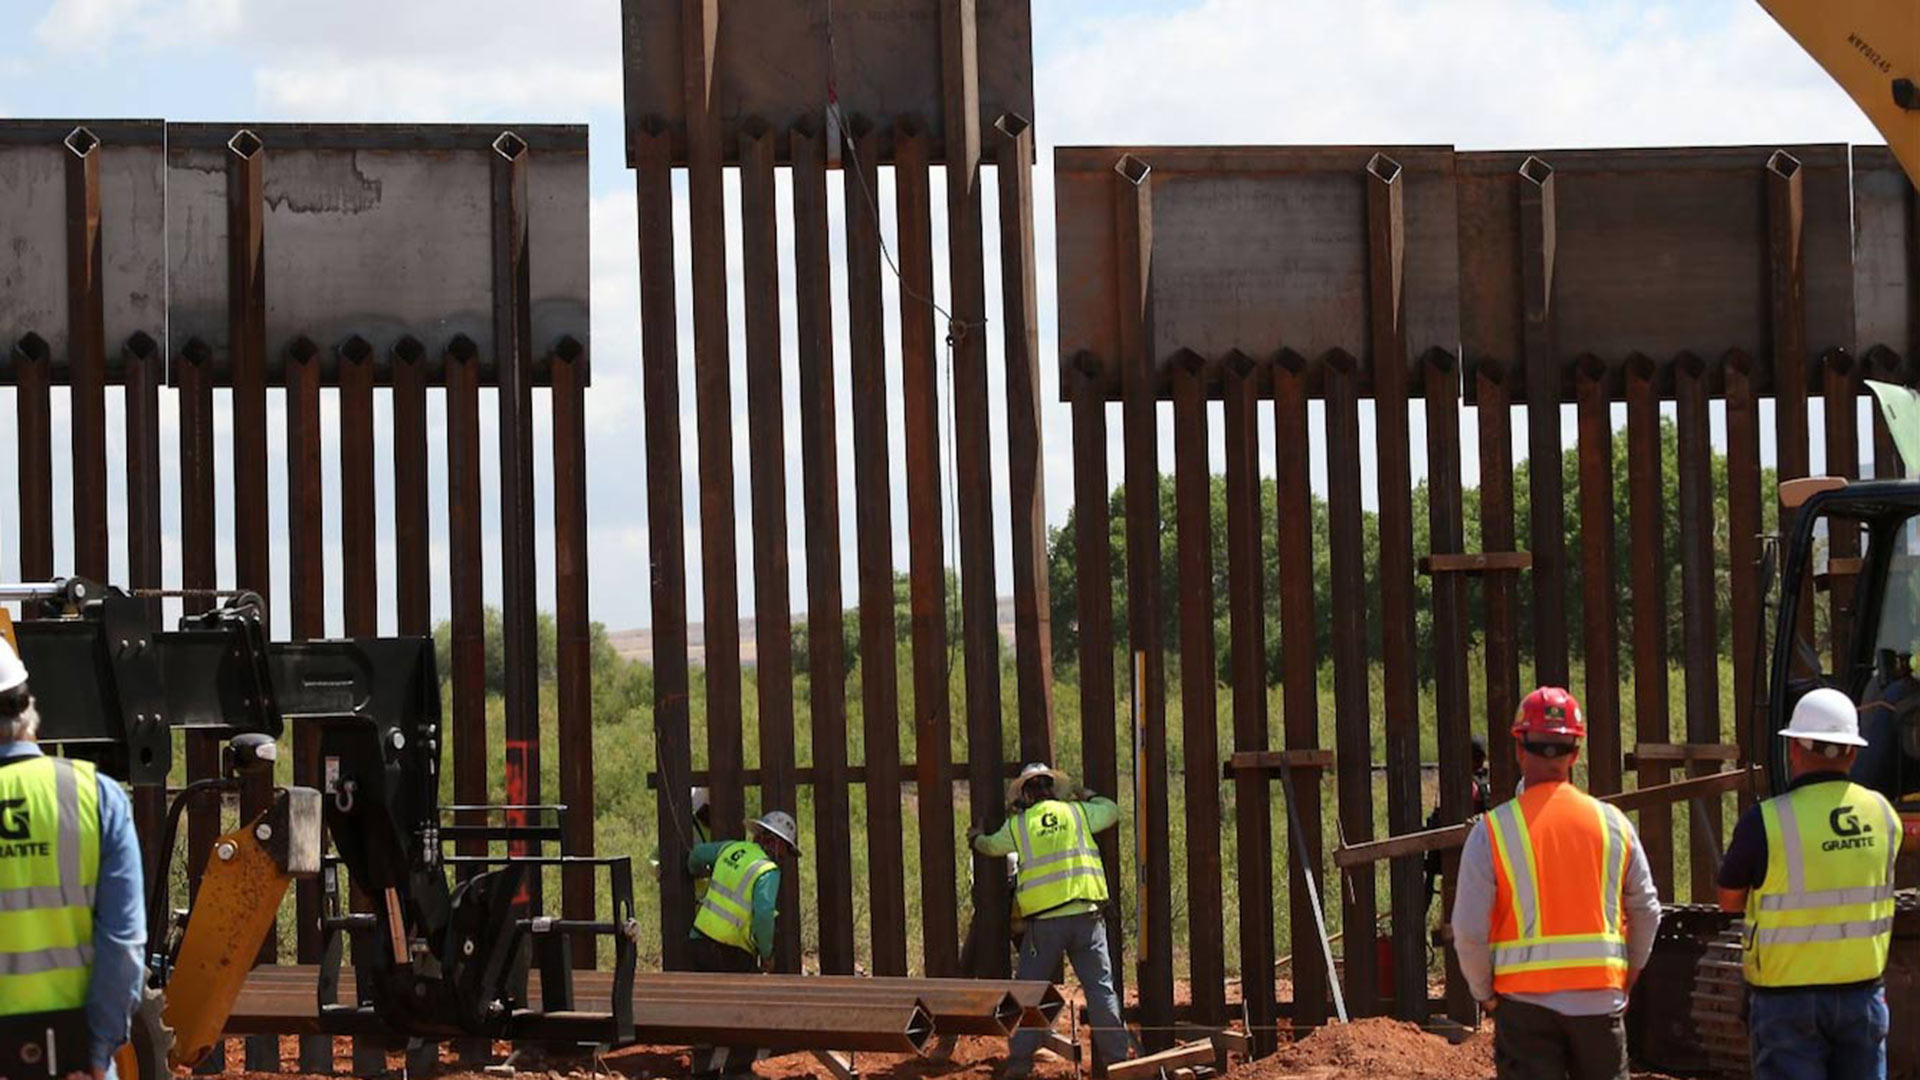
{"x": 1559, "y": 861}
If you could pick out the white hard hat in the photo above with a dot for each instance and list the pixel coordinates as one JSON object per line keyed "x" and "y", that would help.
{"x": 13, "y": 673}
{"x": 781, "y": 824}
{"x": 702, "y": 798}
{"x": 1029, "y": 772}
{"x": 1825, "y": 715}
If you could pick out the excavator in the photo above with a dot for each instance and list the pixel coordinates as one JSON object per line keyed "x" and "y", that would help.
{"x": 441, "y": 943}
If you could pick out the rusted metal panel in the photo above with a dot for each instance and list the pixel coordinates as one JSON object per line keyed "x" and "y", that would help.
{"x": 1299, "y": 666}
{"x": 573, "y": 632}
{"x": 767, "y": 451}
{"x": 873, "y": 523}
{"x": 713, "y": 408}
{"x": 927, "y": 571}
{"x": 123, "y": 166}
{"x": 1672, "y": 235}
{"x": 1697, "y": 604}
{"x": 1600, "y": 628}
{"x": 959, "y": 43}
{"x": 380, "y": 231}
{"x": 1353, "y": 721}
{"x": 359, "y": 559}
{"x": 820, "y": 502}
{"x": 1253, "y": 808}
{"x": 306, "y": 605}
{"x": 1256, "y": 247}
{"x": 413, "y": 565}
{"x": 1026, "y": 496}
{"x": 666, "y": 535}
{"x": 33, "y": 420}
{"x": 1193, "y": 491}
{"x": 472, "y": 764}
{"x": 780, "y": 61}
{"x": 1093, "y": 563}
{"x": 1446, "y": 530}
{"x": 145, "y": 367}
{"x": 1882, "y": 235}
{"x": 1746, "y": 606}
{"x": 1133, "y": 239}
{"x": 1840, "y": 394}
{"x": 1788, "y": 307}
{"x": 87, "y": 354}
{"x": 1646, "y": 508}
{"x": 1541, "y": 367}
{"x": 1386, "y": 187}
{"x": 1498, "y": 591}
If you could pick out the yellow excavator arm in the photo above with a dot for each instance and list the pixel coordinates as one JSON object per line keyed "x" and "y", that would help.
{"x": 1872, "y": 49}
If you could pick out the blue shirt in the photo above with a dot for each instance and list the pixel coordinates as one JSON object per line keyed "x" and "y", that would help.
{"x": 119, "y": 919}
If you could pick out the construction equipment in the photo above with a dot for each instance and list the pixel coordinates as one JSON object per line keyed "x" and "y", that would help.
{"x": 432, "y": 956}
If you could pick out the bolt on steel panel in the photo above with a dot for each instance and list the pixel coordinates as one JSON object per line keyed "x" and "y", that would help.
{"x": 379, "y": 231}
{"x": 777, "y": 61}
{"x": 34, "y": 158}
{"x": 1254, "y": 249}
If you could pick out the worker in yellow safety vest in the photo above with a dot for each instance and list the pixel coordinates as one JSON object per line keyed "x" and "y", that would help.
{"x": 1555, "y": 910}
{"x": 1061, "y": 891}
{"x": 733, "y": 929}
{"x": 1812, "y": 871}
{"x": 72, "y": 909}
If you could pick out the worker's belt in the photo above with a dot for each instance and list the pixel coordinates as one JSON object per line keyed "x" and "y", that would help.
{"x": 44, "y": 1044}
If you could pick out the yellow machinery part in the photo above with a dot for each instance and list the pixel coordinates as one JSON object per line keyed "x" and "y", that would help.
{"x": 233, "y": 913}
{"x": 1867, "y": 46}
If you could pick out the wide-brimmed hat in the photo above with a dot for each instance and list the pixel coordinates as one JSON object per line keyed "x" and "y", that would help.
{"x": 1037, "y": 768}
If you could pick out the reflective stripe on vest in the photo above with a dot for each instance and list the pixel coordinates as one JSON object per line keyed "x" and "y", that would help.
{"x": 726, "y": 912}
{"x": 1824, "y": 912}
{"x": 49, "y": 865}
{"x": 1567, "y": 934}
{"x": 1062, "y": 865}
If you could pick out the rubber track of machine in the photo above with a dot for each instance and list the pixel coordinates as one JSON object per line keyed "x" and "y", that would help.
{"x": 1719, "y": 1006}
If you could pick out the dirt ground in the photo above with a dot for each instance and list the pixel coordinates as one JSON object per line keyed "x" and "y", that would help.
{"x": 1372, "y": 1049}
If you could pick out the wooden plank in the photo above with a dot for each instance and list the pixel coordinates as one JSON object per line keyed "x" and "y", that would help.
{"x": 1299, "y": 666}
{"x": 820, "y": 501}
{"x": 873, "y": 527}
{"x": 1253, "y": 808}
{"x": 666, "y": 532}
{"x": 1686, "y": 752}
{"x": 1475, "y": 564}
{"x": 1701, "y": 639}
{"x": 1746, "y": 606}
{"x": 86, "y": 356}
{"x": 926, "y": 543}
{"x": 1133, "y": 238}
{"x": 573, "y": 637}
{"x": 1026, "y": 480}
{"x": 767, "y": 454}
{"x": 1152, "y": 1065}
{"x": 1353, "y": 709}
{"x": 1547, "y": 505}
{"x": 1648, "y": 566}
{"x": 33, "y": 418}
{"x": 1637, "y": 800}
{"x": 953, "y": 771}
{"x": 1599, "y": 596}
{"x": 979, "y": 597}
{"x": 1199, "y": 708}
{"x": 1093, "y": 579}
{"x": 713, "y": 406}
{"x": 1498, "y": 591}
{"x": 1446, "y": 531}
{"x": 1387, "y": 336}
{"x": 1269, "y": 762}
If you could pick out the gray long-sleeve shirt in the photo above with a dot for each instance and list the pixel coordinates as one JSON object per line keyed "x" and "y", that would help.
{"x": 1473, "y": 918}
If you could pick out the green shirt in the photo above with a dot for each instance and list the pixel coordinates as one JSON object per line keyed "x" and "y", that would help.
{"x": 766, "y": 892}
{"x": 1102, "y": 814}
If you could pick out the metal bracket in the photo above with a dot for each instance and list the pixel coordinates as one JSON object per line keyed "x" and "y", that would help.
{"x": 840, "y": 1065}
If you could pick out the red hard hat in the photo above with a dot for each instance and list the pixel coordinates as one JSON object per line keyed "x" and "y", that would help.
{"x": 1550, "y": 710}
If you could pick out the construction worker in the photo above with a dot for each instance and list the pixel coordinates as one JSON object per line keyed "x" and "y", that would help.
{"x": 1061, "y": 892}
{"x": 1812, "y": 871}
{"x": 1555, "y": 911}
{"x": 1478, "y": 797}
{"x": 733, "y": 928}
{"x": 73, "y": 931}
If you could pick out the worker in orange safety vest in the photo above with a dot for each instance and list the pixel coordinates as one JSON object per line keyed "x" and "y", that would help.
{"x": 1556, "y": 911}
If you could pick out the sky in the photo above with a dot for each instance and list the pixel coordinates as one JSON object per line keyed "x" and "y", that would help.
{"x": 1477, "y": 74}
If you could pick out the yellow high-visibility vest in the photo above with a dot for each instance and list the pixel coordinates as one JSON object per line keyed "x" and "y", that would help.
{"x": 726, "y": 912}
{"x": 1059, "y": 863}
{"x": 1824, "y": 913}
{"x": 49, "y": 866}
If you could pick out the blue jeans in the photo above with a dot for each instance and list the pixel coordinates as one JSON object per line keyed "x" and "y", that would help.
{"x": 1819, "y": 1034}
{"x": 1082, "y": 939}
